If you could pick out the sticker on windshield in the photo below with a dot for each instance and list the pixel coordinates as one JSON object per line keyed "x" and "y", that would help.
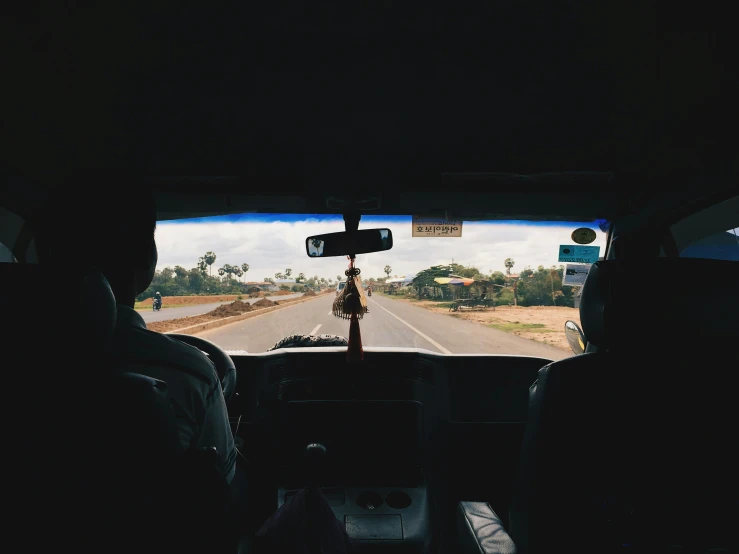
{"x": 424, "y": 226}
{"x": 576, "y": 254}
{"x": 575, "y": 275}
{"x": 583, "y": 235}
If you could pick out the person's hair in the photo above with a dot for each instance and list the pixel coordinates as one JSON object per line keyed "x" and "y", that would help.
{"x": 113, "y": 232}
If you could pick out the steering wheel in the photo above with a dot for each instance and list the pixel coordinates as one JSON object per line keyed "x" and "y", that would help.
{"x": 224, "y": 364}
{"x": 302, "y": 341}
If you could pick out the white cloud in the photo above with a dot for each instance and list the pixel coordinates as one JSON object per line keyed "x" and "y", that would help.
{"x": 272, "y": 246}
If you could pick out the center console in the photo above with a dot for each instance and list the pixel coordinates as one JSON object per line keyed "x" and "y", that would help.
{"x": 370, "y": 472}
{"x": 383, "y": 516}
{"x": 373, "y": 422}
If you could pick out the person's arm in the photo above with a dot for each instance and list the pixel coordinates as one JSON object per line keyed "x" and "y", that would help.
{"x": 216, "y": 431}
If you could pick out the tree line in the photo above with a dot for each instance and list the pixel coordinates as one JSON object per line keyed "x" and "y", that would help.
{"x": 532, "y": 287}
{"x": 228, "y": 279}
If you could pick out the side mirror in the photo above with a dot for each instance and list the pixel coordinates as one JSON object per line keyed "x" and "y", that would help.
{"x": 575, "y": 337}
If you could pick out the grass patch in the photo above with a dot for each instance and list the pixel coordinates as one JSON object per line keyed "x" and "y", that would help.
{"x": 138, "y": 306}
{"x": 518, "y": 326}
{"x": 146, "y": 307}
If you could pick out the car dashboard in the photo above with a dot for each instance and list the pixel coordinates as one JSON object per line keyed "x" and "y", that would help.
{"x": 408, "y": 432}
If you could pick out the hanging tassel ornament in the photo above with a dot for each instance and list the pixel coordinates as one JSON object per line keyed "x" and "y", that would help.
{"x": 351, "y": 304}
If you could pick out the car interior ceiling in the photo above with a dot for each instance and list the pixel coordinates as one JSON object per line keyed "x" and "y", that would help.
{"x": 574, "y": 116}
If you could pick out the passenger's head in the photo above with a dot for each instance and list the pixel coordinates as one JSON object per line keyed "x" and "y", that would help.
{"x": 113, "y": 232}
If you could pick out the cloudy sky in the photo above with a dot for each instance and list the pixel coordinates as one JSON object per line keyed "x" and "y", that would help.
{"x": 270, "y": 243}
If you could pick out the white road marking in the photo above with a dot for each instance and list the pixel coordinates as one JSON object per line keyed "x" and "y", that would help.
{"x": 331, "y": 312}
{"x": 313, "y": 332}
{"x": 412, "y": 328}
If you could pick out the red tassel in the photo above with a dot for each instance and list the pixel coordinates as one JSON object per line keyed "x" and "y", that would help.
{"x": 354, "y": 352}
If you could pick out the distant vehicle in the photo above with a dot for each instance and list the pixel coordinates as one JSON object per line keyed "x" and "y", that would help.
{"x": 340, "y": 286}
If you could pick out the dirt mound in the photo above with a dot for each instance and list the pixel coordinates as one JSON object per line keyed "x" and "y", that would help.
{"x": 190, "y": 300}
{"x": 235, "y": 308}
{"x": 264, "y": 303}
{"x": 281, "y": 293}
{"x": 309, "y": 293}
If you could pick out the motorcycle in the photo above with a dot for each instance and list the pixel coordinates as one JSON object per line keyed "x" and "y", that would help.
{"x": 157, "y": 305}
{"x": 369, "y": 292}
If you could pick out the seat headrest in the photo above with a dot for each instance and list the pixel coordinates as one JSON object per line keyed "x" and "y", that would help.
{"x": 681, "y": 302}
{"x": 57, "y": 303}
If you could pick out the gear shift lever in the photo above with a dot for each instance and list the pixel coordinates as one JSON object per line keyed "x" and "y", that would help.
{"x": 315, "y": 453}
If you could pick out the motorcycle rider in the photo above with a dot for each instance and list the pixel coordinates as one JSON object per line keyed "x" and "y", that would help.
{"x": 158, "y": 300}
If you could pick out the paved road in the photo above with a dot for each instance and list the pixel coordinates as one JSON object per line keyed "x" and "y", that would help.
{"x": 173, "y": 313}
{"x": 389, "y": 323}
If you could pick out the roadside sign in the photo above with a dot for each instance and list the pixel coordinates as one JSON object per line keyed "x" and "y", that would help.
{"x": 576, "y": 254}
{"x": 575, "y": 275}
{"x": 425, "y": 226}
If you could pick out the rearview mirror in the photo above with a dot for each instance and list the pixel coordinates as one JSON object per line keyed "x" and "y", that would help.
{"x": 345, "y": 244}
{"x": 575, "y": 337}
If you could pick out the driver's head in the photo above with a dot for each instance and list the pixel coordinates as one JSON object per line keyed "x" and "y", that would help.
{"x": 115, "y": 235}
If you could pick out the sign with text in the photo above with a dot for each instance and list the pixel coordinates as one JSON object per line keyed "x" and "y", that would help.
{"x": 428, "y": 226}
{"x": 575, "y": 275}
{"x": 577, "y": 254}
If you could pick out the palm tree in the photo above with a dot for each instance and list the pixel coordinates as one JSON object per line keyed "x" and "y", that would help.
{"x": 210, "y": 259}
{"x": 244, "y": 268}
{"x": 388, "y": 270}
{"x": 509, "y": 263}
{"x": 202, "y": 265}
{"x": 300, "y": 278}
{"x": 221, "y": 272}
{"x": 338, "y": 277}
{"x": 288, "y": 272}
{"x": 279, "y": 276}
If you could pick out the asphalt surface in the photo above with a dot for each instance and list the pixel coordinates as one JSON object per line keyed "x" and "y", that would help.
{"x": 186, "y": 311}
{"x": 390, "y": 323}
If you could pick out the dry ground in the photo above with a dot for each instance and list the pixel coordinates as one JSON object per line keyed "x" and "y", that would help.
{"x": 540, "y": 323}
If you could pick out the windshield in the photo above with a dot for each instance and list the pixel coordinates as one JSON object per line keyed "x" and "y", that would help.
{"x": 502, "y": 287}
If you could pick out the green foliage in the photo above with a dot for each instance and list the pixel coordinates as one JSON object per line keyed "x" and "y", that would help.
{"x": 170, "y": 282}
{"x": 498, "y": 277}
{"x": 540, "y": 287}
{"x": 503, "y": 297}
{"x": 199, "y": 280}
{"x": 426, "y": 278}
{"x": 209, "y": 258}
{"x": 543, "y": 287}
